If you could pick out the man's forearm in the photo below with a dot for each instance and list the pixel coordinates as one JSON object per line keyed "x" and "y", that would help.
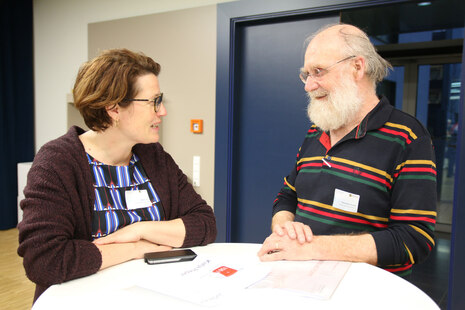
{"x": 354, "y": 248}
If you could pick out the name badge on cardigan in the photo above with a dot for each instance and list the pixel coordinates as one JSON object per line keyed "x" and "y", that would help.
{"x": 137, "y": 199}
{"x": 345, "y": 201}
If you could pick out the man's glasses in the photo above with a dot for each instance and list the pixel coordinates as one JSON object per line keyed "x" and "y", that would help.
{"x": 318, "y": 73}
{"x": 156, "y": 101}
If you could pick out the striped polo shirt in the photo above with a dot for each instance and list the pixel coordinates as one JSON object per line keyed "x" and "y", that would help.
{"x": 380, "y": 179}
{"x": 123, "y": 195}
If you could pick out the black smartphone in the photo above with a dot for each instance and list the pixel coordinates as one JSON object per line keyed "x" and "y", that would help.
{"x": 169, "y": 256}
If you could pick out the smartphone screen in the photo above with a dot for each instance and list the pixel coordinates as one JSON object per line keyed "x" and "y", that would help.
{"x": 169, "y": 256}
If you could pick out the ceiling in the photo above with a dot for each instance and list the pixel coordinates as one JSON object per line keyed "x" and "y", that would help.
{"x": 386, "y": 22}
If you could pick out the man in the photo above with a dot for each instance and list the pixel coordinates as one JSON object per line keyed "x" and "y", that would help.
{"x": 363, "y": 188}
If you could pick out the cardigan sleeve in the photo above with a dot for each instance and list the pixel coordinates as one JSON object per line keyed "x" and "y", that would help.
{"x": 178, "y": 197}
{"x": 54, "y": 237}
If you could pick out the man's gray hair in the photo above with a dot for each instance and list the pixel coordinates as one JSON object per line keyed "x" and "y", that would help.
{"x": 359, "y": 44}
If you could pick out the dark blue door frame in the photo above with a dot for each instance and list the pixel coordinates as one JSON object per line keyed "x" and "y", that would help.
{"x": 229, "y": 17}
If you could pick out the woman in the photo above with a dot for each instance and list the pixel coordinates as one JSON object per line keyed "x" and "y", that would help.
{"x": 101, "y": 197}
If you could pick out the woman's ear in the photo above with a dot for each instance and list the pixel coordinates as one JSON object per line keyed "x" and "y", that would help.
{"x": 113, "y": 112}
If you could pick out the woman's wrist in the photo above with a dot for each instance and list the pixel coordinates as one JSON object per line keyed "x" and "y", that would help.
{"x": 171, "y": 233}
{"x": 140, "y": 229}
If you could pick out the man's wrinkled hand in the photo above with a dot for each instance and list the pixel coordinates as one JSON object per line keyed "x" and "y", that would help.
{"x": 295, "y": 230}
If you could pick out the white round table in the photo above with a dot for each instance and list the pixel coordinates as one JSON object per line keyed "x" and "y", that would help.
{"x": 363, "y": 287}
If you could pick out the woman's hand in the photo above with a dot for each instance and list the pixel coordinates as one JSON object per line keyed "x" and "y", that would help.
{"x": 130, "y": 233}
{"x": 171, "y": 233}
{"x": 133, "y": 241}
{"x": 126, "y": 244}
{"x": 144, "y": 246}
{"x": 117, "y": 253}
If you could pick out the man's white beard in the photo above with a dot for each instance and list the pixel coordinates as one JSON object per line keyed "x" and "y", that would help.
{"x": 338, "y": 108}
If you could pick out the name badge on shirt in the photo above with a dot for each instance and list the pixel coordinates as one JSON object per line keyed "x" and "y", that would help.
{"x": 345, "y": 201}
{"x": 137, "y": 199}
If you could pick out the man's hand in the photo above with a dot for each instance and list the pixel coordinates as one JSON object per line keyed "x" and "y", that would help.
{"x": 352, "y": 248}
{"x": 277, "y": 247}
{"x": 295, "y": 230}
{"x": 283, "y": 223}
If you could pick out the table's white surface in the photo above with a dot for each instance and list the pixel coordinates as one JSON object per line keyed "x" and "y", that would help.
{"x": 363, "y": 287}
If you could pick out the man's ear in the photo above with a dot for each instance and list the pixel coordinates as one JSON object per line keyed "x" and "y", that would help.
{"x": 359, "y": 66}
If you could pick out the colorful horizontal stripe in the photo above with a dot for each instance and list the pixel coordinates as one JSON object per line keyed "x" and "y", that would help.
{"x": 312, "y": 132}
{"x": 347, "y": 169}
{"x": 403, "y": 127}
{"x": 385, "y": 174}
{"x": 416, "y": 170}
{"x": 341, "y": 217}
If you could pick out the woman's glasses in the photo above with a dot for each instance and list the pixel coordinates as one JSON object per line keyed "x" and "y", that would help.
{"x": 156, "y": 101}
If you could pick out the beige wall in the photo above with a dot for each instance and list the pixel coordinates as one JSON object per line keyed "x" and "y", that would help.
{"x": 184, "y": 43}
{"x": 61, "y": 46}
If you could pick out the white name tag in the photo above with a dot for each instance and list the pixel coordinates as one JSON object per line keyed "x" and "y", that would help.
{"x": 345, "y": 201}
{"x": 137, "y": 199}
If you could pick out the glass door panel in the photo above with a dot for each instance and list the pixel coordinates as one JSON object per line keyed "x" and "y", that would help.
{"x": 438, "y": 95}
{"x": 393, "y": 86}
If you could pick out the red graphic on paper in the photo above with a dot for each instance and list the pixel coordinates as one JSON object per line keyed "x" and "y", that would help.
{"x": 225, "y": 271}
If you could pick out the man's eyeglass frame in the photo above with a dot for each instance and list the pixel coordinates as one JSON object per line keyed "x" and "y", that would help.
{"x": 319, "y": 73}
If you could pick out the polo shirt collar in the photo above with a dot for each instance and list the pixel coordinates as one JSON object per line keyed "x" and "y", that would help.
{"x": 374, "y": 120}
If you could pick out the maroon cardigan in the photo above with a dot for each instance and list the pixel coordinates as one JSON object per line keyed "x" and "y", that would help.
{"x": 55, "y": 233}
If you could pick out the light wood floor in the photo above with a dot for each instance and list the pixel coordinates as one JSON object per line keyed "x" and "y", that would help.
{"x": 16, "y": 291}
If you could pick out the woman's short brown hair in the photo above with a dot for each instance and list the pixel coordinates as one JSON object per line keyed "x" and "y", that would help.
{"x": 109, "y": 80}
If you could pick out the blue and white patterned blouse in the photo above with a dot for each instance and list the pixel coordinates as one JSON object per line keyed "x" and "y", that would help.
{"x": 111, "y": 184}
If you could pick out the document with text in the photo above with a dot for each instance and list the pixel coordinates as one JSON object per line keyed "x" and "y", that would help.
{"x": 209, "y": 282}
{"x": 315, "y": 279}
{"x": 204, "y": 281}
